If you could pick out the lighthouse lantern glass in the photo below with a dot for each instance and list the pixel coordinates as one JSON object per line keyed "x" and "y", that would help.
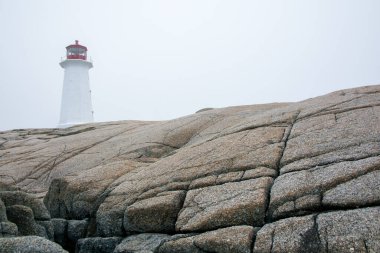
{"x": 76, "y": 52}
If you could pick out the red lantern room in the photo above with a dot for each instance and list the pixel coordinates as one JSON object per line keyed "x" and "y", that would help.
{"x": 76, "y": 51}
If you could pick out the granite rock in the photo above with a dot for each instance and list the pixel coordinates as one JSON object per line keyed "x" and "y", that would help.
{"x": 340, "y": 231}
{"x": 146, "y": 242}
{"x": 238, "y": 203}
{"x": 97, "y": 245}
{"x": 157, "y": 214}
{"x": 8, "y": 229}
{"x": 304, "y": 176}
{"x": 29, "y": 244}
{"x": 232, "y": 239}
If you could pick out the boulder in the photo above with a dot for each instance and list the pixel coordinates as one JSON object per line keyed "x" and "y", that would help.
{"x": 79, "y": 198}
{"x": 158, "y": 214}
{"x": 147, "y": 242}
{"x": 183, "y": 244}
{"x": 76, "y": 229}
{"x": 39, "y": 210}
{"x": 29, "y": 244}
{"x": 329, "y": 186}
{"x": 295, "y": 234}
{"x": 23, "y": 217}
{"x": 26, "y": 212}
{"x": 340, "y": 231}
{"x": 232, "y": 239}
{"x": 353, "y": 230}
{"x": 97, "y": 245}
{"x": 60, "y": 231}
{"x": 8, "y": 229}
{"x": 240, "y": 203}
{"x": 360, "y": 191}
{"x": 48, "y": 231}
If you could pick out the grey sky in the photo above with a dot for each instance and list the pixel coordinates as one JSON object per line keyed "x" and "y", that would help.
{"x": 163, "y": 59}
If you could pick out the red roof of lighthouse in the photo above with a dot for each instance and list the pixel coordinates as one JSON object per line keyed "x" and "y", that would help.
{"x": 76, "y": 45}
{"x": 76, "y": 52}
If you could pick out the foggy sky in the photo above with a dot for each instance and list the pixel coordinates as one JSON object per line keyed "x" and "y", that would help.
{"x": 163, "y": 59}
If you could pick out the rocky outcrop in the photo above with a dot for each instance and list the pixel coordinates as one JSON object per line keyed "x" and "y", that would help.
{"x": 286, "y": 177}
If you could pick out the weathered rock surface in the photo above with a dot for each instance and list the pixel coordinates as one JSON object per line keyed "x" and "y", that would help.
{"x": 302, "y": 176}
{"x": 229, "y": 204}
{"x": 22, "y": 214}
{"x": 157, "y": 214}
{"x": 97, "y": 245}
{"x": 141, "y": 243}
{"x": 76, "y": 229}
{"x": 60, "y": 231}
{"x": 341, "y": 231}
{"x": 233, "y": 239}
{"x": 29, "y": 244}
{"x": 8, "y": 229}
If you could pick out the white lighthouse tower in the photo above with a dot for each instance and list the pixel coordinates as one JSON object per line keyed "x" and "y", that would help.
{"x": 76, "y": 106}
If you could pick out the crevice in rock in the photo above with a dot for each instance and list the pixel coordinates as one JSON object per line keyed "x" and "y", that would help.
{"x": 167, "y": 188}
{"x": 322, "y": 210}
{"x": 11, "y": 177}
{"x": 3, "y": 143}
{"x": 280, "y": 124}
{"x": 329, "y": 152}
{"x": 366, "y": 246}
{"x": 69, "y": 132}
{"x": 347, "y": 207}
{"x": 177, "y": 237}
{"x": 325, "y": 164}
{"x": 326, "y": 240}
{"x": 255, "y": 230}
{"x": 310, "y": 241}
{"x": 272, "y": 124}
{"x": 284, "y": 140}
{"x": 321, "y": 190}
{"x": 322, "y": 247}
{"x": 147, "y": 152}
{"x": 253, "y": 243}
{"x": 351, "y": 177}
{"x": 22, "y": 156}
{"x": 312, "y": 114}
{"x": 272, "y": 240}
{"x": 97, "y": 202}
{"x": 45, "y": 165}
{"x": 201, "y": 249}
{"x": 339, "y": 111}
{"x": 181, "y": 208}
{"x": 163, "y": 144}
{"x": 241, "y": 176}
{"x": 268, "y": 218}
{"x": 71, "y": 155}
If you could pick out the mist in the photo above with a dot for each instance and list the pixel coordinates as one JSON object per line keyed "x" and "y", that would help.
{"x": 158, "y": 60}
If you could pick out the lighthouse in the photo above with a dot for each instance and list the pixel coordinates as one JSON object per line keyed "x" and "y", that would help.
{"x": 76, "y": 106}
